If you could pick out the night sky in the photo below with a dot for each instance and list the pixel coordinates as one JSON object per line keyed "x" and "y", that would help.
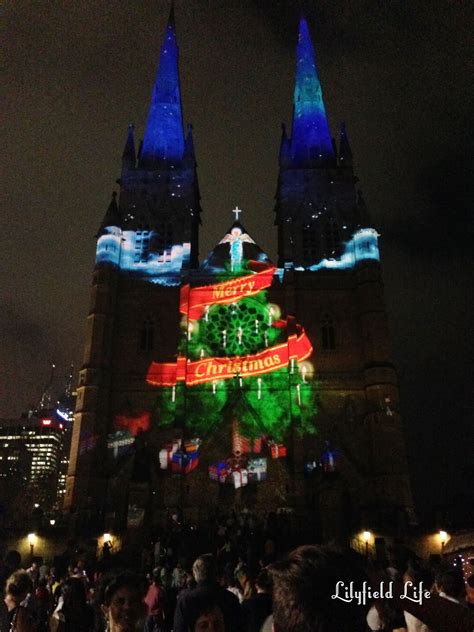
{"x": 399, "y": 73}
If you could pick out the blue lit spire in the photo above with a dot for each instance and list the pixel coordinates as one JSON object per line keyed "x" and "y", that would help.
{"x": 164, "y": 137}
{"x": 310, "y": 137}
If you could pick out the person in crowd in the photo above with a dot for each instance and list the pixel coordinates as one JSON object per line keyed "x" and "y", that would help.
{"x": 43, "y": 570}
{"x": 209, "y": 618}
{"x": 303, "y": 587}
{"x": 44, "y": 602}
{"x": 207, "y": 589}
{"x": 73, "y": 613}
{"x": 256, "y": 609}
{"x": 418, "y": 576}
{"x": 122, "y": 603}
{"x": 33, "y": 573}
{"x": 15, "y": 616}
{"x": 245, "y": 582}
{"x": 230, "y": 583}
{"x": 178, "y": 576}
{"x": 155, "y": 600}
{"x": 11, "y": 563}
{"x": 449, "y": 583}
{"x": 383, "y": 617}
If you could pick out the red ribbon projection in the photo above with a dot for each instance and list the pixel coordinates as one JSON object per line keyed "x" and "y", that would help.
{"x": 194, "y": 300}
{"x": 298, "y": 347}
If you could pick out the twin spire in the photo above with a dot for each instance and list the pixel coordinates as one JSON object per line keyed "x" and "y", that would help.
{"x": 164, "y": 144}
{"x": 164, "y": 137}
{"x": 310, "y": 136}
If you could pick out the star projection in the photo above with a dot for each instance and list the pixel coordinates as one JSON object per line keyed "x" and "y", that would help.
{"x": 236, "y": 345}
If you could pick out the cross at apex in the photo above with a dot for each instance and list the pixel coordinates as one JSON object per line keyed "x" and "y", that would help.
{"x": 237, "y": 212}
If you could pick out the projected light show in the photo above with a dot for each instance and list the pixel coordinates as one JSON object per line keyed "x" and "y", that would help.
{"x": 236, "y": 344}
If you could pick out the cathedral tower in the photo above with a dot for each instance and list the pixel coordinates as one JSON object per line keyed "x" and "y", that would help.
{"x": 329, "y": 252}
{"x": 147, "y": 243}
{"x": 238, "y": 382}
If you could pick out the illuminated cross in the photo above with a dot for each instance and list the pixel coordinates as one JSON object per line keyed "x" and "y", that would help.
{"x": 237, "y": 212}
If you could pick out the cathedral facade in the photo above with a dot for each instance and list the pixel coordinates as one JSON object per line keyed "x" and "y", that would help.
{"x": 238, "y": 381}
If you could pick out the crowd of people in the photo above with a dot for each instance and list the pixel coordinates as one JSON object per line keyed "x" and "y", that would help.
{"x": 247, "y": 583}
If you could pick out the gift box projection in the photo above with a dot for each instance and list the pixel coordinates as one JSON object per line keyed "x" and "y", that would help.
{"x": 237, "y": 381}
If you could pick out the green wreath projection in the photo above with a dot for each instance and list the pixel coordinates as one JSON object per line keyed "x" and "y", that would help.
{"x": 237, "y": 349}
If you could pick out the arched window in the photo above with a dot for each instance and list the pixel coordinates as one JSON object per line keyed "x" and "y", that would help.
{"x": 328, "y": 334}
{"x": 333, "y": 239}
{"x": 146, "y": 335}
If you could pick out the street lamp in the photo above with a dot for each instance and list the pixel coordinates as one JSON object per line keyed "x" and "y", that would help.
{"x": 52, "y": 522}
{"x": 366, "y": 536}
{"x": 443, "y": 538}
{"x": 32, "y": 542}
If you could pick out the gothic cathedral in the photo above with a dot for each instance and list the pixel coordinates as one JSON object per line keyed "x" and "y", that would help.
{"x": 238, "y": 381}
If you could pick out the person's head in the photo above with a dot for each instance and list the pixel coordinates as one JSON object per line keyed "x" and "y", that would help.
{"x": 122, "y": 602}
{"x": 450, "y": 582}
{"x": 42, "y": 583}
{"x": 13, "y": 559}
{"x": 74, "y": 594}
{"x": 303, "y": 587}
{"x": 17, "y": 587}
{"x": 204, "y": 568}
{"x": 156, "y": 576}
{"x": 264, "y": 583}
{"x": 210, "y": 618}
{"x": 417, "y": 574}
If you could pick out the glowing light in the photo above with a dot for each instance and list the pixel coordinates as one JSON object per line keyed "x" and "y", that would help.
{"x": 366, "y": 536}
{"x": 443, "y": 537}
{"x": 31, "y": 539}
{"x": 66, "y": 415}
{"x": 107, "y": 537}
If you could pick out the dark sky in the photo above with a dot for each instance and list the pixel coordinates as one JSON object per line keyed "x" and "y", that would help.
{"x": 399, "y": 73}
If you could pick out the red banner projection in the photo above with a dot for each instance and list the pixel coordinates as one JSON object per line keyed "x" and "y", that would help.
{"x": 194, "y": 300}
{"x": 298, "y": 347}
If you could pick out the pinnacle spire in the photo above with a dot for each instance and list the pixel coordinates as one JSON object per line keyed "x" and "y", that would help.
{"x": 310, "y": 137}
{"x": 285, "y": 148}
{"x": 129, "y": 156}
{"x": 112, "y": 214}
{"x": 164, "y": 138}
